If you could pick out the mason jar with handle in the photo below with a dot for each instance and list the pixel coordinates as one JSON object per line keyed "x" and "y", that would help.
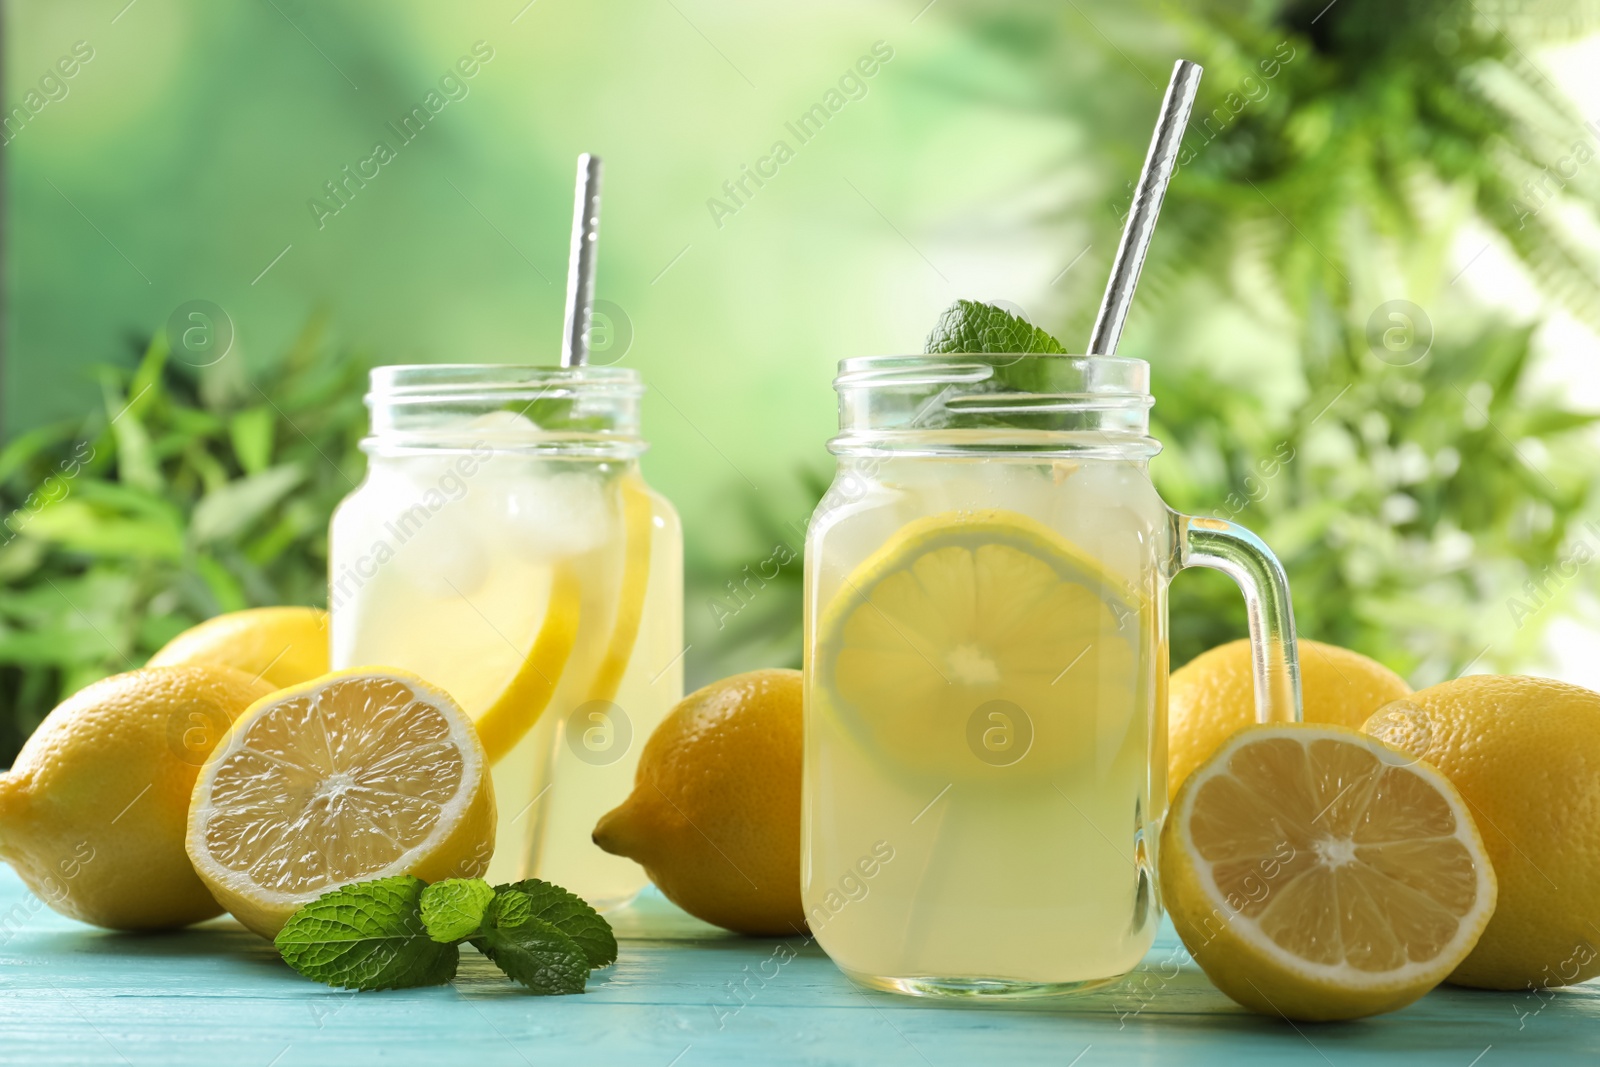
{"x": 986, "y": 670}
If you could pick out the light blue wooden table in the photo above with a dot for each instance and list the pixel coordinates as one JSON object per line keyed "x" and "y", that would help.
{"x": 70, "y": 994}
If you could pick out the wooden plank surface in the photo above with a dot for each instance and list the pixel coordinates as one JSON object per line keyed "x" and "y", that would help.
{"x": 683, "y": 994}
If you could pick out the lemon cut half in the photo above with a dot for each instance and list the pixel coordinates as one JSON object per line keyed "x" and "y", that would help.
{"x": 979, "y": 640}
{"x": 358, "y": 774}
{"x": 1316, "y": 873}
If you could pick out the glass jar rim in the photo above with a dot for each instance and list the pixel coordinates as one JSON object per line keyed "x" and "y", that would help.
{"x": 1110, "y": 375}
{"x": 992, "y": 403}
{"x": 584, "y": 411}
{"x": 430, "y": 382}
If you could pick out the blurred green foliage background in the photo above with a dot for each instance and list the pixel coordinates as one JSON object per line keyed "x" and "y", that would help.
{"x": 1327, "y": 366}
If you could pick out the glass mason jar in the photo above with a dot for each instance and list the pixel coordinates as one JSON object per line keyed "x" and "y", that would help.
{"x": 504, "y": 547}
{"x": 986, "y": 672}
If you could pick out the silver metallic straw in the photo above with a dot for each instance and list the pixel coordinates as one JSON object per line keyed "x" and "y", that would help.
{"x": 580, "y": 265}
{"x": 1136, "y": 232}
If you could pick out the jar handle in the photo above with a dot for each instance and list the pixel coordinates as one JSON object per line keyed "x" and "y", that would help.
{"x": 1241, "y": 555}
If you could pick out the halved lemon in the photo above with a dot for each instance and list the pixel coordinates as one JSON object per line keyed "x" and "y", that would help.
{"x": 1316, "y": 873}
{"x": 976, "y": 640}
{"x": 358, "y": 774}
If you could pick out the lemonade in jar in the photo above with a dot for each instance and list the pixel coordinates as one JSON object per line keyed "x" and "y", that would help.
{"x": 986, "y": 670}
{"x": 505, "y": 547}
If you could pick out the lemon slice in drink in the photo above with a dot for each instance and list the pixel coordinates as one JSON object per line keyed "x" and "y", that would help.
{"x": 355, "y": 775}
{"x": 638, "y": 517}
{"x": 1316, "y": 873}
{"x": 506, "y": 721}
{"x": 503, "y": 723}
{"x": 979, "y": 640}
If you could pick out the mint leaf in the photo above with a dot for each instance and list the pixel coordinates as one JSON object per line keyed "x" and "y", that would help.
{"x": 553, "y": 413}
{"x": 511, "y": 907}
{"x": 538, "y": 955}
{"x": 570, "y": 914}
{"x": 968, "y": 326}
{"x": 367, "y": 936}
{"x": 391, "y": 933}
{"x": 453, "y": 909}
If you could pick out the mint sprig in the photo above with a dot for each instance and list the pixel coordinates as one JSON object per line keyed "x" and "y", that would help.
{"x": 968, "y": 326}
{"x": 395, "y": 933}
{"x": 555, "y": 413}
{"x": 367, "y": 936}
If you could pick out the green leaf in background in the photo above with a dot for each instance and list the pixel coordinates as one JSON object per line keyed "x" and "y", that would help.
{"x": 454, "y": 908}
{"x": 136, "y": 459}
{"x": 102, "y": 529}
{"x": 367, "y": 936}
{"x": 178, "y": 497}
{"x": 25, "y": 448}
{"x": 567, "y": 912}
{"x": 250, "y": 432}
{"x": 224, "y": 587}
{"x": 229, "y": 511}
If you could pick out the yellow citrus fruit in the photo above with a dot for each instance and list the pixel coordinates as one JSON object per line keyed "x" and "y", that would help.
{"x": 1525, "y": 753}
{"x": 1212, "y": 697}
{"x": 1315, "y": 873}
{"x": 92, "y": 812}
{"x": 512, "y": 714}
{"x": 974, "y": 610}
{"x": 638, "y": 516}
{"x": 358, "y": 774}
{"x": 714, "y": 816}
{"x": 285, "y": 646}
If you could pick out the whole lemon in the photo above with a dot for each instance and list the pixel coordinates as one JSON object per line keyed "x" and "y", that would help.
{"x": 93, "y": 812}
{"x": 714, "y": 817}
{"x": 1213, "y": 696}
{"x": 1525, "y": 753}
{"x": 286, "y": 646}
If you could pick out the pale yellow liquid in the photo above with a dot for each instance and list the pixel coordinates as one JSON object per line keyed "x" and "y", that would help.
{"x": 1032, "y": 877}
{"x": 458, "y": 599}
